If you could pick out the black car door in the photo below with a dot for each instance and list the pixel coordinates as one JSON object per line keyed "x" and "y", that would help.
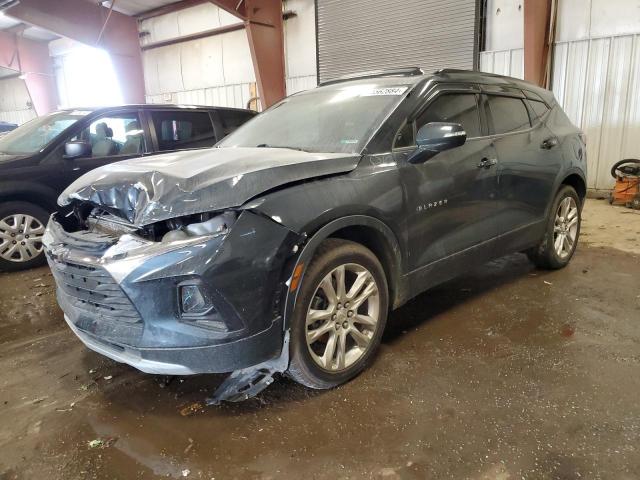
{"x": 113, "y": 137}
{"x": 528, "y": 163}
{"x": 451, "y": 197}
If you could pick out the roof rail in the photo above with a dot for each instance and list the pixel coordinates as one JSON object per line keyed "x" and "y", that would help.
{"x": 392, "y": 72}
{"x": 454, "y": 70}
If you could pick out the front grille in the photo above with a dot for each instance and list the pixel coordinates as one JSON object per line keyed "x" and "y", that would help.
{"x": 95, "y": 303}
{"x": 91, "y": 290}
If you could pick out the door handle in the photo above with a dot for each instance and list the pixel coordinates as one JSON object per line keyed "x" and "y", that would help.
{"x": 487, "y": 162}
{"x": 549, "y": 143}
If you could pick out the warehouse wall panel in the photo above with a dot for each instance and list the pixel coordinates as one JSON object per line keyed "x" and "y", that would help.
{"x": 596, "y": 82}
{"x": 15, "y": 102}
{"x": 362, "y": 35}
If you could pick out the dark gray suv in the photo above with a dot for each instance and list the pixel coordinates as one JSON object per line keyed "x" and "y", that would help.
{"x": 284, "y": 248}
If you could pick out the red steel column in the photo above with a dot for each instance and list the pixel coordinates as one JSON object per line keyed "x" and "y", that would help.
{"x": 537, "y": 17}
{"x": 83, "y": 21}
{"x": 265, "y": 32}
{"x": 31, "y": 58}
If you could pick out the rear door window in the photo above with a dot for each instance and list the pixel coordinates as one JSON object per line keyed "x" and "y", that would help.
{"x": 508, "y": 114}
{"x": 176, "y": 130}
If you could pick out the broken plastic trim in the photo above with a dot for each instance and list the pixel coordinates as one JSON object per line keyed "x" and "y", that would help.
{"x": 249, "y": 382}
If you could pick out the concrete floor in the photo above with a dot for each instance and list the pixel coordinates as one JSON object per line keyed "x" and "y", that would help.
{"x": 507, "y": 373}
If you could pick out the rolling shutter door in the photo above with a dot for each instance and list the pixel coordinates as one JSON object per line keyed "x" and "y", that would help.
{"x": 360, "y": 35}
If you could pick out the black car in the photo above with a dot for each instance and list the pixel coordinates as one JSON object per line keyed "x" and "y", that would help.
{"x": 7, "y": 127}
{"x": 42, "y": 157}
{"x": 284, "y": 248}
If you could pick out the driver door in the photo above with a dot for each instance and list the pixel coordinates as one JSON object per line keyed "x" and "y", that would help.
{"x": 113, "y": 137}
{"x": 451, "y": 196}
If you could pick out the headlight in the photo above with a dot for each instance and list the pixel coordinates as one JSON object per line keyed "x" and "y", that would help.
{"x": 184, "y": 228}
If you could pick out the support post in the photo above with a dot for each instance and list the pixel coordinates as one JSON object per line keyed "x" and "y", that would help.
{"x": 537, "y": 21}
{"x": 265, "y": 33}
{"x": 83, "y": 21}
{"x": 31, "y": 59}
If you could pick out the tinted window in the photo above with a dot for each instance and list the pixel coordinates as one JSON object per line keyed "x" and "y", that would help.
{"x": 231, "y": 119}
{"x": 508, "y": 114}
{"x": 539, "y": 108}
{"x": 454, "y": 108}
{"x": 183, "y": 129}
{"x": 118, "y": 134}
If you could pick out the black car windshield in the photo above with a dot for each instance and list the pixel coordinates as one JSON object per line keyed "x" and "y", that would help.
{"x": 333, "y": 119}
{"x": 36, "y": 134}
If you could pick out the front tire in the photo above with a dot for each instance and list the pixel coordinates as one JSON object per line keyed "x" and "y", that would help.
{"x": 22, "y": 226}
{"x": 340, "y": 315}
{"x": 563, "y": 230}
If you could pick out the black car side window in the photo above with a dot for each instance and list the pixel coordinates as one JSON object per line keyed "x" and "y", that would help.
{"x": 232, "y": 119}
{"x": 459, "y": 108}
{"x": 177, "y": 130}
{"x": 112, "y": 135}
{"x": 508, "y": 114}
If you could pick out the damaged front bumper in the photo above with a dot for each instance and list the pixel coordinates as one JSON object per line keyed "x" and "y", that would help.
{"x": 124, "y": 297}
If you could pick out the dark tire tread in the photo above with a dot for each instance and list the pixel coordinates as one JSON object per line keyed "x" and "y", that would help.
{"x": 302, "y": 369}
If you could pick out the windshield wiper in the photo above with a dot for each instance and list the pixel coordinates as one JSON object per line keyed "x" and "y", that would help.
{"x": 266, "y": 145}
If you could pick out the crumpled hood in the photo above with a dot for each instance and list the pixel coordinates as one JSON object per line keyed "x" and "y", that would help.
{"x": 160, "y": 187}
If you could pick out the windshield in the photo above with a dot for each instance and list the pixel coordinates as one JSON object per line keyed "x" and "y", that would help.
{"x": 336, "y": 119}
{"x": 36, "y": 134}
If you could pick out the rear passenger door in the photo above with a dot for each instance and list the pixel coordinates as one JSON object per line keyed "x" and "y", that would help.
{"x": 181, "y": 129}
{"x": 527, "y": 167}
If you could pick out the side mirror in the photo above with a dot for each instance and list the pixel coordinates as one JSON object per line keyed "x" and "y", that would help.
{"x": 436, "y": 137}
{"x": 77, "y": 150}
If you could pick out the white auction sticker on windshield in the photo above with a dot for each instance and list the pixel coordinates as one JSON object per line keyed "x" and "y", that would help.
{"x": 385, "y": 91}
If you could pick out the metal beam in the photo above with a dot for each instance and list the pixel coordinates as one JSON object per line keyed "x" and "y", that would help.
{"x": 265, "y": 32}
{"x": 172, "y": 7}
{"x": 84, "y": 21}
{"x": 31, "y": 59}
{"x": 194, "y": 36}
{"x": 537, "y": 21}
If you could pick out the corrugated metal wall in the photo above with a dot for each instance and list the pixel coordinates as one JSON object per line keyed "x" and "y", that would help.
{"x": 597, "y": 82}
{"x": 361, "y": 35}
{"x": 503, "y": 62}
{"x": 14, "y": 101}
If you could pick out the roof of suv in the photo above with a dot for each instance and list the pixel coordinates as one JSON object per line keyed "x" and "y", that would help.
{"x": 413, "y": 75}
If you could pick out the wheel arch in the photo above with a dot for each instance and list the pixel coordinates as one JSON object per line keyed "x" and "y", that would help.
{"x": 577, "y": 182}
{"x": 368, "y": 231}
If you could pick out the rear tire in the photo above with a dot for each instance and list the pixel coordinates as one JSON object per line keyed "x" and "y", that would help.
{"x": 334, "y": 336}
{"x": 22, "y": 225}
{"x": 562, "y": 233}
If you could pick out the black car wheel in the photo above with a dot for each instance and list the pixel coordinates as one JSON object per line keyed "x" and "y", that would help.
{"x": 22, "y": 226}
{"x": 339, "y": 315}
{"x": 563, "y": 230}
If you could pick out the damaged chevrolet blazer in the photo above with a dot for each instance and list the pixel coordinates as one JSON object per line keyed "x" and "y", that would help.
{"x": 283, "y": 248}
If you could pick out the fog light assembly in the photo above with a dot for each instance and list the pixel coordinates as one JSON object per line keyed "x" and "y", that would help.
{"x": 193, "y": 301}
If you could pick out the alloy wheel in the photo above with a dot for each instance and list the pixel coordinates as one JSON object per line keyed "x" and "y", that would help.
{"x": 20, "y": 238}
{"x": 342, "y": 317}
{"x": 565, "y": 228}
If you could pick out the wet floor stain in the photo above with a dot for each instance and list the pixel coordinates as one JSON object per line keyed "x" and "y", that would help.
{"x": 507, "y": 373}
